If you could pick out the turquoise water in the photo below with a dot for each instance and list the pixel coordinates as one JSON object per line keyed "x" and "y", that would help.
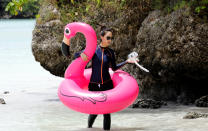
{"x": 18, "y": 68}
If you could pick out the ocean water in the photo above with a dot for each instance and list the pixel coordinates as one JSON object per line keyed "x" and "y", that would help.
{"x": 18, "y": 68}
{"x": 29, "y": 85}
{"x": 33, "y": 105}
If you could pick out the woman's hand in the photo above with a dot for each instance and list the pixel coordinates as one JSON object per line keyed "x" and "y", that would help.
{"x": 132, "y": 60}
{"x": 66, "y": 41}
{"x": 84, "y": 57}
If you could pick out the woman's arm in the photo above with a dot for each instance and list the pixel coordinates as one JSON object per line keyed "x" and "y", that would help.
{"x": 77, "y": 54}
{"x": 80, "y": 53}
{"x": 65, "y": 50}
{"x": 113, "y": 62}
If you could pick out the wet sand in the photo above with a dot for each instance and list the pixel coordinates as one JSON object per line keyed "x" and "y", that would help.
{"x": 40, "y": 110}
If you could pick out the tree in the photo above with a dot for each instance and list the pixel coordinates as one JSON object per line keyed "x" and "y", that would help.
{"x": 16, "y": 6}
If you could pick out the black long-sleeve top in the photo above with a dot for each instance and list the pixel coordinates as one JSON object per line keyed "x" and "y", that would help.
{"x": 103, "y": 58}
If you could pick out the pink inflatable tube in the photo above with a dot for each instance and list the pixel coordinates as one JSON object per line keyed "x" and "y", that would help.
{"x": 73, "y": 91}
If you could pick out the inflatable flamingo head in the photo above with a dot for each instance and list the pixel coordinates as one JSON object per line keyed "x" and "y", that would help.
{"x": 68, "y": 31}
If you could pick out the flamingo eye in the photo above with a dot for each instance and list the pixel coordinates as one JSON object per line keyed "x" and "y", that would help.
{"x": 67, "y": 31}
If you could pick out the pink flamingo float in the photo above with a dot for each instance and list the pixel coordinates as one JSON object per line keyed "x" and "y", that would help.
{"x": 73, "y": 90}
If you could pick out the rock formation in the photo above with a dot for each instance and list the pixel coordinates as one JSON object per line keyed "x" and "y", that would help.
{"x": 202, "y": 101}
{"x": 175, "y": 49}
{"x": 174, "y": 46}
{"x": 2, "y": 101}
{"x": 194, "y": 115}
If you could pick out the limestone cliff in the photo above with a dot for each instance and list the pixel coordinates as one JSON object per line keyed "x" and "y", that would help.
{"x": 174, "y": 46}
{"x": 175, "y": 49}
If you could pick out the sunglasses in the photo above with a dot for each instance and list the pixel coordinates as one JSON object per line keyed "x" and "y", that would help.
{"x": 109, "y": 38}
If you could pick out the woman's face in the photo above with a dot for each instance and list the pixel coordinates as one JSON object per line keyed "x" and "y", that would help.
{"x": 106, "y": 39}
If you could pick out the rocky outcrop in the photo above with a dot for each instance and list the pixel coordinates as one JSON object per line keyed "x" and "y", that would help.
{"x": 46, "y": 42}
{"x": 202, "y": 102}
{"x": 6, "y": 92}
{"x": 194, "y": 115}
{"x": 148, "y": 103}
{"x": 48, "y": 33}
{"x": 2, "y": 101}
{"x": 172, "y": 46}
{"x": 175, "y": 49}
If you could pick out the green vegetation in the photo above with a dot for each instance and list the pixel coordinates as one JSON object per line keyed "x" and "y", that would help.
{"x": 201, "y": 6}
{"x": 197, "y": 6}
{"x": 180, "y": 5}
{"x": 71, "y": 9}
{"x": 77, "y": 9}
{"x": 15, "y": 6}
{"x": 25, "y": 7}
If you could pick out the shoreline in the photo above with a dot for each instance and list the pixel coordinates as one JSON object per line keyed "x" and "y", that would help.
{"x": 41, "y": 110}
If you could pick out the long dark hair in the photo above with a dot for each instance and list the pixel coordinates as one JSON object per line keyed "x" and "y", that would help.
{"x": 104, "y": 29}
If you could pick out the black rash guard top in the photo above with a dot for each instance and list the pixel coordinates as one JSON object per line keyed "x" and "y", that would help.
{"x": 103, "y": 58}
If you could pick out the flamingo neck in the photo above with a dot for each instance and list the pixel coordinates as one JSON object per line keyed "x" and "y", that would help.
{"x": 76, "y": 68}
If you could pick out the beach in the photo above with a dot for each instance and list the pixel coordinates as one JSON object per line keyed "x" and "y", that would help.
{"x": 42, "y": 111}
{"x": 32, "y": 103}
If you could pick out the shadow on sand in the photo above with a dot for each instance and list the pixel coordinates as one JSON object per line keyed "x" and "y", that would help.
{"x": 113, "y": 129}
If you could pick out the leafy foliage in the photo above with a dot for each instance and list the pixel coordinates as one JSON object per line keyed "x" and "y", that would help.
{"x": 16, "y": 7}
{"x": 199, "y": 7}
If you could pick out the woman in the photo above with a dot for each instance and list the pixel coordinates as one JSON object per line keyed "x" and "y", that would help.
{"x": 103, "y": 58}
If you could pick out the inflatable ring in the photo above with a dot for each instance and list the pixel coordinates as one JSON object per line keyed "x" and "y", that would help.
{"x": 73, "y": 90}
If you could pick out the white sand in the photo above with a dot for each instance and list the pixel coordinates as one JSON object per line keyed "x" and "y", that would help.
{"x": 41, "y": 110}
